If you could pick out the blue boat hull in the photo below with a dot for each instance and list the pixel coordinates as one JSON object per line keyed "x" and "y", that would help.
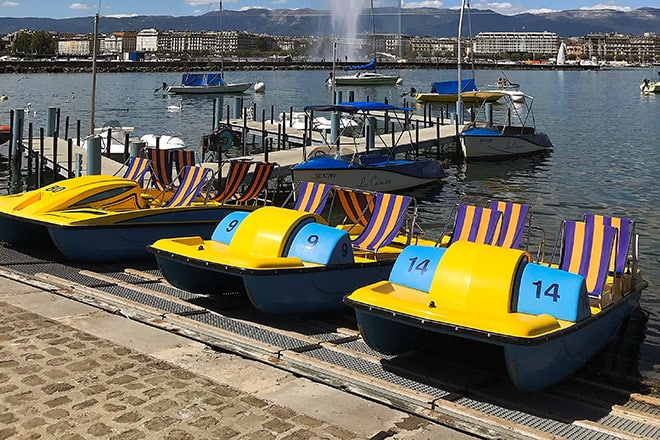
{"x": 310, "y": 291}
{"x": 129, "y": 239}
{"x": 276, "y": 291}
{"x": 13, "y": 230}
{"x": 532, "y": 364}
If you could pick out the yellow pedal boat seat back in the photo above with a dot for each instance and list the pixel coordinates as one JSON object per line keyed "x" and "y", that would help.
{"x": 268, "y": 231}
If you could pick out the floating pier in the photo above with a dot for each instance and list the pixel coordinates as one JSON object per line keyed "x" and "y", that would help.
{"x": 270, "y": 139}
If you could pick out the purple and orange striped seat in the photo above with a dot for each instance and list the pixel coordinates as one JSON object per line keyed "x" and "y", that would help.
{"x": 357, "y": 205}
{"x": 182, "y": 158}
{"x": 512, "y": 225}
{"x": 625, "y": 230}
{"x": 191, "y": 183}
{"x": 390, "y": 211}
{"x": 161, "y": 168}
{"x": 476, "y": 224}
{"x": 586, "y": 250}
{"x": 238, "y": 169}
{"x": 312, "y": 196}
{"x": 136, "y": 169}
{"x": 257, "y": 184}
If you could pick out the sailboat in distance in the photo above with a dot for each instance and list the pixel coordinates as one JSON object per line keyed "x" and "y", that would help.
{"x": 209, "y": 83}
{"x": 366, "y": 74}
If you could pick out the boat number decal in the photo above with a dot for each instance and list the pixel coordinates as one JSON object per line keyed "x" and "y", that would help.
{"x": 56, "y": 188}
{"x": 313, "y": 240}
{"x": 232, "y": 224}
{"x": 422, "y": 266}
{"x": 552, "y": 291}
{"x": 344, "y": 249}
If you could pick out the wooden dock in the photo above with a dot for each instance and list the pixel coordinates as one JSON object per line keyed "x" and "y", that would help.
{"x": 268, "y": 140}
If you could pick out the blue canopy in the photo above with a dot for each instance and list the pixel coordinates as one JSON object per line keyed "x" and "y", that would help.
{"x": 202, "y": 79}
{"x": 451, "y": 87}
{"x": 354, "y": 107}
{"x": 371, "y": 65}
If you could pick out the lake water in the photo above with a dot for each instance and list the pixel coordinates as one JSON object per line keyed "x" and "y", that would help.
{"x": 606, "y": 137}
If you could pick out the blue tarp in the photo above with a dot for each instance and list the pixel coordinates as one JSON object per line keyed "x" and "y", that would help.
{"x": 371, "y": 65}
{"x": 354, "y": 107}
{"x": 451, "y": 87}
{"x": 202, "y": 79}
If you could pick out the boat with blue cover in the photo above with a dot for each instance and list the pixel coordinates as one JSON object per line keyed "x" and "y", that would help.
{"x": 447, "y": 91}
{"x": 375, "y": 169}
{"x": 289, "y": 260}
{"x": 206, "y": 83}
{"x": 548, "y": 319}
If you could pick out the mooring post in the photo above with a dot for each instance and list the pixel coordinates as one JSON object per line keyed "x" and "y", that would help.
{"x": 40, "y": 157}
{"x": 237, "y": 107}
{"x": 437, "y": 139}
{"x": 135, "y": 148}
{"x": 66, "y": 128}
{"x": 284, "y": 131}
{"x": 489, "y": 114}
{"x": 127, "y": 143}
{"x": 30, "y": 149}
{"x": 79, "y": 158}
{"x": 17, "y": 135}
{"x": 217, "y": 112}
{"x": 57, "y": 122}
{"x": 69, "y": 158}
{"x": 93, "y": 155}
{"x": 78, "y": 132}
{"x": 334, "y": 128}
{"x": 50, "y": 120}
{"x": 56, "y": 167}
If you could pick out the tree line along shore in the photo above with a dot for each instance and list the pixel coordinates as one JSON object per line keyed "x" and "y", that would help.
{"x": 82, "y": 66}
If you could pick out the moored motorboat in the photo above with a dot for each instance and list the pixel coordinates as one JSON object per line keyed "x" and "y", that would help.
{"x": 447, "y": 91}
{"x": 105, "y": 218}
{"x": 549, "y": 320}
{"x": 373, "y": 165}
{"x": 206, "y": 83}
{"x": 288, "y": 261}
{"x": 513, "y": 135}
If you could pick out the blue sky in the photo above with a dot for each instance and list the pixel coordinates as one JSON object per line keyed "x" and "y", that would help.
{"x": 84, "y": 8}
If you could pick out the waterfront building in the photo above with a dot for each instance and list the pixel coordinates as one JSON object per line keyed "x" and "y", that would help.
{"x": 147, "y": 40}
{"x": 493, "y": 43}
{"x": 120, "y": 44}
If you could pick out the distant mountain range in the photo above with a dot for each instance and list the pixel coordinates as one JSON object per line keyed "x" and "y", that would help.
{"x": 417, "y": 21}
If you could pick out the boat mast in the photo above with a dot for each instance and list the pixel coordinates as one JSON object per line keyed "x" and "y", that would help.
{"x": 94, "y": 39}
{"x": 222, "y": 45}
{"x": 459, "y": 88}
{"x": 373, "y": 29}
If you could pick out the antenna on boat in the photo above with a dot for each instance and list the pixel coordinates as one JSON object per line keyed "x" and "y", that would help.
{"x": 459, "y": 86}
{"x": 94, "y": 40}
{"x": 222, "y": 45}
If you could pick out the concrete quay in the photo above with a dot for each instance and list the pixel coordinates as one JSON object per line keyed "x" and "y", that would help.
{"x": 72, "y": 371}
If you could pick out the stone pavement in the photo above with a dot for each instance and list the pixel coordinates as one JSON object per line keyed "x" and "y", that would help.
{"x": 71, "y": 371}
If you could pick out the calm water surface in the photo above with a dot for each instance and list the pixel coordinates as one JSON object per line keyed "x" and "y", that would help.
{"x": 605, "y": 135}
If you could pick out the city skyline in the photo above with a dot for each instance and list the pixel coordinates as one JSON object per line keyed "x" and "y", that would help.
{"x": 67, "y": 8}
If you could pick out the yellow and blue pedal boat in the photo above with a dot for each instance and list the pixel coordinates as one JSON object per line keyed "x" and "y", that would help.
{"x": 102, "y": 218}
{"x": 284, "y": 260}
{"x": 548, "y": 320}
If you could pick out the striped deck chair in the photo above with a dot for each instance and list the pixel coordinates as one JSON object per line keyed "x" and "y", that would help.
{"x": 586, "y": 250}
{"x": 257, "y": 184}
{"x": 136, "y": 168}
{"x": 191, "y": 183}
{"x": 238, "y": 169}
{"x": 475, "y": 224}
{"x": 312, "y": 196}
{"x": 514, "y": 218}
{"x": 357, "y": 205}
{"x": 181, "y": 158}
{"x": 161, "y": 168}
{"x": 625, "y": 231}
{"x": 390, "y": 211}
